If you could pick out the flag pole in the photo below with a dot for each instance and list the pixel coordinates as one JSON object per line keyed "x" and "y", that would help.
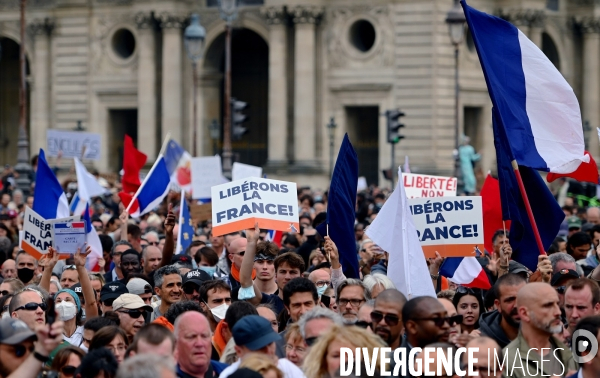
{"x": 536, "y": 232}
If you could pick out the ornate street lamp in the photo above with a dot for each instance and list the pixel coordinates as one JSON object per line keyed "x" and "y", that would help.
{"x": 193, "y": 38}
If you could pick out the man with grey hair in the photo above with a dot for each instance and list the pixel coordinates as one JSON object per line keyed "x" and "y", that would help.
{"x": 167, "y": 285}
{"x": 146, "y": 366}
{"x": 317, "y": 322}
{"x": 152, "y": 238}
{"x": 562, "y": 260}
{"x": 351, "y": 294}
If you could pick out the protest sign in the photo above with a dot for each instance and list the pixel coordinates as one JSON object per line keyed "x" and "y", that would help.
{"x": 37, "y": 233}
{"x": 201, "y": 213}
{"x": 241, "y": 171}
{"x": 239, "y": 204}
{"x": 72, "y": 143}
{"x": 68, "y": 237}
{"x": 418, "y": 186}
{"x": 206, "y": 173}
{"x": 452, "y": 226}
{"x": 362, "y": 184}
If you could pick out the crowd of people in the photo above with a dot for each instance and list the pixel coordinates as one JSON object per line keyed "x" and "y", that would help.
{"x": 240, "y": 305}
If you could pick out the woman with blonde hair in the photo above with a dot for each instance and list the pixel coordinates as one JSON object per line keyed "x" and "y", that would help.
{"x": 295, "y": 347}
{"x": 263, "y": 364}
{"x": 323, "y": 360}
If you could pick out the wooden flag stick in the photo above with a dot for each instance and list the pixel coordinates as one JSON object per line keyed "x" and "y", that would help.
{"x": 536, "y": 232}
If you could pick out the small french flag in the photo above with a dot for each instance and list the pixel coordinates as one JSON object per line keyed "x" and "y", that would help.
{"x": 465, "y": 271}
{"x": 274, "y": 236}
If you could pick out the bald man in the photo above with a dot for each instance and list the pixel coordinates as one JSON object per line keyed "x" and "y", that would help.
{"x": 486, "y": 350}
{"x": 539, "y": 311}
{"x": 593, "y": 215}
{"x": 235, "y": 251}
{"x": 9, "y": 269}
{"x": 321, "y": 279}
{"x": 386, "y": 317}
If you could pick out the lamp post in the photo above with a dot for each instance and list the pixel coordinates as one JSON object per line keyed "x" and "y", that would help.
{"x": 229, "y": 11}
{"x": 331, "y": 129}
{"x": 22, "y": 166}
{"x": 193, "y": 38}
{"x": 215, "y": 133}
{"x": 456, "y": 27}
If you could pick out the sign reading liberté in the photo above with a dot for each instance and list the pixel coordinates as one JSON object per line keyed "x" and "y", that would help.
{"x": 73, "y": 143}
{"x": 452, "y": 226}
{"x": 239, "y": 204}
{"x": 418, "y": 186}
{"x": 38, "y": 233}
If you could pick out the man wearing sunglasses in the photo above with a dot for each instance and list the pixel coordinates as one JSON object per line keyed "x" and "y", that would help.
{"x": 386, "y": 317}
{"x": 426, "y": 322}
{"x": 28, "y": 306}
{"x": 23, "y": 351}
{"x": 131, "y": 308}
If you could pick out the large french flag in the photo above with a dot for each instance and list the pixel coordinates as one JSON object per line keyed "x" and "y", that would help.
{"x": 153, "y": 190}
{"x": 465, "y": 271}
{"x": 49, "y": 199}
{"x": 536, "y": 105}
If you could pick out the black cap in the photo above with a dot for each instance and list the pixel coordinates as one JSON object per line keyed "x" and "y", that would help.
{"x": 181, "y": 258}
{"x": 196, "y": 276}
{"x": 77, "y": 288}
{"x": 112, "y": 290}
{"x": 562, "y": 274}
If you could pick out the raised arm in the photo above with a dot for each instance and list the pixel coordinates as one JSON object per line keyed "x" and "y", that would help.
{"x": 91, "y": 307}
{"x": 333, "y": 255}
{"x": 248, "y": 264}
{"x": 48, "y": 262}
{"x": 169, "y": 248}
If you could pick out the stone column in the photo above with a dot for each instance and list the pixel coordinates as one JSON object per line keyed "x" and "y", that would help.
{"x": 305, "y": 19}
{"x": 172, "y": 69}
{"x": 278, "y": 99}
{"x": 591, "y": 82}
{"x": 536, "y": 28}
{"x": 40, "y": 96}
{"x": 147, "y": 113}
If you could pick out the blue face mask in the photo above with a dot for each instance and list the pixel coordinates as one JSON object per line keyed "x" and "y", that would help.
{"x": 209, "y": 269}
{"x": 322, "y": 290}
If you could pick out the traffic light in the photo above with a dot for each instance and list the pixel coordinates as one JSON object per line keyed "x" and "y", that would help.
{"x": 237, "y": 118}
{"x": 394, "y": 125}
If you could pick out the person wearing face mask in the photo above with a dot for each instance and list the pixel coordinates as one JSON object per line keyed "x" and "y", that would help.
{"x": 67, "y": 307}
{"x": 207, "y": 260}
{"x": 215, "y": 298}
{"x": 321, "y": 279}
{"x": 26, "y": 266}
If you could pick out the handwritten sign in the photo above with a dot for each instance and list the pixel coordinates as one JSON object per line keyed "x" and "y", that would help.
{"x": 418, "y": 186}
{"x": 206, "y": 173}
{"x": 239, "y": 204}
{"x": 452, "y": 226}
{"x": 72, "y": 144}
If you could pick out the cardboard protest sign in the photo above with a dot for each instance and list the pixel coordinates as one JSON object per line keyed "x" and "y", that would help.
{"x": 73, "y": 143}
{"x": 37, "y": 233}
{"x": 201, "y": 213}
{"x": 452, "y": 226}
{"x": 239, "y": 204}
{"x": 418, "y": 186}
{"x": 206, "y": 173}
{"x": 241, "y": 171}
{"x": 68, "y": 237}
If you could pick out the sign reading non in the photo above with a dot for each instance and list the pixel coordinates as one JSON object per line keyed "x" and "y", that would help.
{"x": 452, "y": 226}
{"x": 418, "y": 186}
{"x": 239, "y": 204}
{"x": 73, "y": 144}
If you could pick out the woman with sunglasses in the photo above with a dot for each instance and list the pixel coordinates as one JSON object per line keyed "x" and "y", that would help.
{"x": 66, "y": 361}
{"x": 469, "y": 304}
{"x": 68, "y": 305}
{"x": 112, "y": 338}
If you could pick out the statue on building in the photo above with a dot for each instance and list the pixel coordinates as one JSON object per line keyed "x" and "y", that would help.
{"x": 468, "y": 157}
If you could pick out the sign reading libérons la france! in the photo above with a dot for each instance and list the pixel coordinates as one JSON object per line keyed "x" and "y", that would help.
{"x": 239, "y": 204}
{"x": 418, "y": 186}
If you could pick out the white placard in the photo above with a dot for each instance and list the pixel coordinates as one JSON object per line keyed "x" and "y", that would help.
{"x": 418, "y": 186}
{"x": 452, "y": 226}
{"x": 241, "y": 171}
{"x": 68, "y": 237}
{"x": 71, "y": 143}
{"x": 206, "y": 173}
{"x": 37, "y": 232}
{"x": 239, "y": 204}
{"x": 362, "y": 184}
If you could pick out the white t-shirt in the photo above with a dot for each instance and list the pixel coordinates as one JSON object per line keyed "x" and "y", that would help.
{"x": 76, "y": 338}
{"x": 286, "y": 366}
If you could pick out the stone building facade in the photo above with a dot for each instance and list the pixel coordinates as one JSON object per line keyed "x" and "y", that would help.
{"x": 120, "y": 66}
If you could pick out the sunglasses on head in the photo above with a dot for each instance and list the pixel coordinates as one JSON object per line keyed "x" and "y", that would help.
{"x": 21, "y": 350}
{"x": 69, "y": 267}
{"x": 134, "y": 314}
{"x": 68, "y": 370}
{"x": 439, "y": 322}
{"x": 32, "y": 306}
{"x": 391, "y": 320}
{"x": 465, "y": 290}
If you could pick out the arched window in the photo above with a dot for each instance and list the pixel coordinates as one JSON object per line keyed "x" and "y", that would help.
{"x": 549, "y": 48}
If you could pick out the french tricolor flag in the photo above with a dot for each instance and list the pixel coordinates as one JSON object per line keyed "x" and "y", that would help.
{"x": 274, "y": 236}
{"x": 465, "y": 271}
{"x": 153, "y": 190}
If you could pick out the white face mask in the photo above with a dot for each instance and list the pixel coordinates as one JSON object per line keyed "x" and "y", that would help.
{"x": 66, "y": 310}
{"x": 5, "y": 315}
{"x": 219, "y": 312}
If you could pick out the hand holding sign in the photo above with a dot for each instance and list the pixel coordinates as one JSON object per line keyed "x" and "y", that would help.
{"x": 79, "y": 258}
{"x": 50, "y": 259}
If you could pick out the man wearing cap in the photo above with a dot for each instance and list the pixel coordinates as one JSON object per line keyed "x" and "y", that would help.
{"x": 130, "y": 308}
{"x": 23, "y": 351}
{"x": 254, "y": 334}
{"x": 559, "y": 282}
{"x": 191, "y": 284}
{"x": 142, "y": 288}
{"x": 109, "y": 293}
{"x": 574, "y": 225}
